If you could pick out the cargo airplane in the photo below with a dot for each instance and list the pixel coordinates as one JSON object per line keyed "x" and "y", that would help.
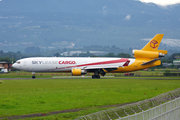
{"x": 147, "y": 57}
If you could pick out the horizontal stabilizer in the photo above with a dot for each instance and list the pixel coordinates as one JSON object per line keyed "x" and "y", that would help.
{"x": 162, "y": 51}
{"x": 149, "y": 62}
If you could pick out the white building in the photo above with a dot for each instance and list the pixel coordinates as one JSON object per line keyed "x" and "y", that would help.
{"x": 176, "y": 60}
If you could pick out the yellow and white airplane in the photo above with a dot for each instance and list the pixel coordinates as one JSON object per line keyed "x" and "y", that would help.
{"x": 147, "y": 57}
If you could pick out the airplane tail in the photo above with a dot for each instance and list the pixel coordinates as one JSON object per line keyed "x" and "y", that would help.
{"x": 150, "y": 50}
{"x": 154, "y": 44}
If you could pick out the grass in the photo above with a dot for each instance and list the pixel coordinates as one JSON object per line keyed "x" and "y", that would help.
{"x": 22, "y": 74}
{"x": 67, "y": 116}
{"x": 18, "y": 97}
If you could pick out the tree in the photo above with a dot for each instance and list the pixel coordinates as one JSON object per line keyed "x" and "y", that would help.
{"x": 1, "y": 52}
{"x": 6, "y": 59}
{"x": 109, "y": 55}
{"x": 56, "y": 54}
{"x": 87, "y": 54}
{"x": 123, "y": 55}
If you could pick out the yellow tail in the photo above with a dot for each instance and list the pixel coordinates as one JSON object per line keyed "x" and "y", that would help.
{"x": 153, "y": 45}
{"x": 150, "y": 50}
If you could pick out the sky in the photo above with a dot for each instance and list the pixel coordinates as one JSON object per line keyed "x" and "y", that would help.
{"x": 162, "y": 2}
{"x": 159, "y": 2}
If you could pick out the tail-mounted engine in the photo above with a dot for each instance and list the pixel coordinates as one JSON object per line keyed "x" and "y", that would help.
{"x": 78, "y": 72}
{"x": 147, "y": 54}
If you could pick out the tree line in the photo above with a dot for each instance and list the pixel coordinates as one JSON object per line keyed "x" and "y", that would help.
{"x": 13, "y": 56}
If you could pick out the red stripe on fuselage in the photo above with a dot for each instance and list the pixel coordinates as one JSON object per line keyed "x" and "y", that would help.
{"x": 105, "y": 62}
{"x": 97, "y": 63}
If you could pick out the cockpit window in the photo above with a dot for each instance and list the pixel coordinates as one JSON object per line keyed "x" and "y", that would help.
{"x": 18, "y": 62}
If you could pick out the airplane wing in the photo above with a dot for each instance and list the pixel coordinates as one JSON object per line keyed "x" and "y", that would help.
{"x": 115, "y": 66}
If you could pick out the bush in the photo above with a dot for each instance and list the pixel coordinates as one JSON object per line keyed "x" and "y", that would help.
{"x": 171, "y": 74}
{"x": 167, "y": 71}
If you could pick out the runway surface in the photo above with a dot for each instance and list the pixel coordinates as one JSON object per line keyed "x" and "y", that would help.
{"x": 144, "y": 78}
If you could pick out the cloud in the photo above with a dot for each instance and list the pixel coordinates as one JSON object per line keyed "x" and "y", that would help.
{"x": 128, "y": 17}
{"x": 161, "y": 2}
{"x": 0, "y": 0}
{"x": 149, "y": 21}
{"x": 104, "y": 10}
{"x": 142, "y": 11}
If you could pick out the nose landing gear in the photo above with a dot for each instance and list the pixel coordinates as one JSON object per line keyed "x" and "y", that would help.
{"x": 33, "y": 77}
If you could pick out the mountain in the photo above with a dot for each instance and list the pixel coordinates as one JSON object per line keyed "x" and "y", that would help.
{"x": 54, "y": 24}
{"x": 73, "y": 6}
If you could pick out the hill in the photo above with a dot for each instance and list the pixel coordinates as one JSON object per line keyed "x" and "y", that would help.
{"x": 55, "y": 24}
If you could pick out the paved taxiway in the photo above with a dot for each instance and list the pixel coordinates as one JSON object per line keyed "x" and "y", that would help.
{"x": 144, "y": 78}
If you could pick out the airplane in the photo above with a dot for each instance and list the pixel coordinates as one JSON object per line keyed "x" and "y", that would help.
{"x": 148, "y": 56}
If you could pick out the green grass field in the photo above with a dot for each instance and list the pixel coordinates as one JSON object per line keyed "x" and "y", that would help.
{"x": 19, "y": 97}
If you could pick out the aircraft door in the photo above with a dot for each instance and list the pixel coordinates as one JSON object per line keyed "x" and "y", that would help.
{"x": 24, "y": 66}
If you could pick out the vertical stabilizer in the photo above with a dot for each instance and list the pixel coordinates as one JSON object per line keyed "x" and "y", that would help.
{"x": 154, "y": 43}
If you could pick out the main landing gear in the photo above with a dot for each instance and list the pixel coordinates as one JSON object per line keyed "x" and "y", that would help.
{"x": 96, "y": 76}
{"x": 97, "y": 72}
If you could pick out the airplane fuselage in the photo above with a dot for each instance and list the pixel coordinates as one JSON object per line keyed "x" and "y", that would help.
{"x": 66, "y": 64}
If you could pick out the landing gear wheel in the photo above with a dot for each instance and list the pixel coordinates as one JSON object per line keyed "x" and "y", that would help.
{"x": 96, "y": 76}
{"x": 93, "y": 77}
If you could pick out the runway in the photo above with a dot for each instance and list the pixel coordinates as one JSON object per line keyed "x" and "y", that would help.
{"x": 144, "y": 78}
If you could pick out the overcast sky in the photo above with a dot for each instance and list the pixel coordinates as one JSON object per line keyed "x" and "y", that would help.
{"x": 162, "y": 2}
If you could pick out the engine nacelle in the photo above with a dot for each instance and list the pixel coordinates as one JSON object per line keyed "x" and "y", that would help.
{"x": 78, "y": 72}
{"x": 147, "y": 54}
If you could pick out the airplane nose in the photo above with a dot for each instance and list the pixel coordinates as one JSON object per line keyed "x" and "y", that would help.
{"x": 14, "y": 65}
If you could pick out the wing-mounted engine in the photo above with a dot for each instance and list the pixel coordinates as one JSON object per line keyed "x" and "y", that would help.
{"x": 78, "y": 72}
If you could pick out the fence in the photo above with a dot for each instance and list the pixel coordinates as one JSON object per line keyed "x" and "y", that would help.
{"x": 166, "y": 111}
{"x": 156, "y": 108}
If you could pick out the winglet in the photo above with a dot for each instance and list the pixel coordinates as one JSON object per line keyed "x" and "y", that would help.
{"x": 126, "y": 63}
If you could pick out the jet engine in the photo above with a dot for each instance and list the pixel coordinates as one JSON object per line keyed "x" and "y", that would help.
{"x": 146, "y": 54}
{"x": 78, "y": 72}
